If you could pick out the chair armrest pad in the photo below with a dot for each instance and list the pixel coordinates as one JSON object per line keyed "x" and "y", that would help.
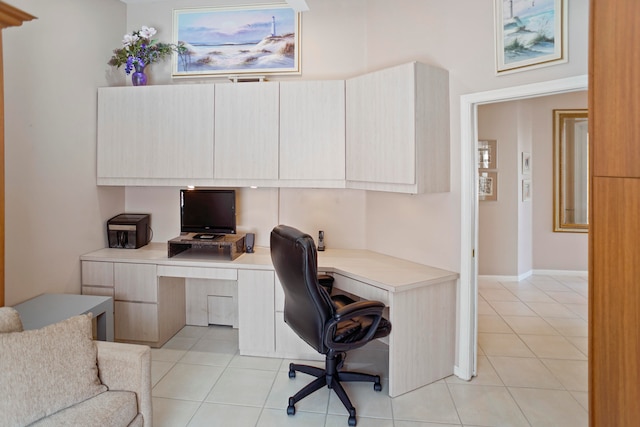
{"x": 127, "y": 367}
{"x": 359, "y": 308}
{"x": 368, "y": 308}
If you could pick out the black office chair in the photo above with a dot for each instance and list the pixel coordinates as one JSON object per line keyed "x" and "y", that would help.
{"x": 331, "y": 325}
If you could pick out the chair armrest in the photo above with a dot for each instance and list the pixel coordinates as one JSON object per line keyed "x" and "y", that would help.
{"x": 127, "y": 367}
{"x": 367, "y": 308}
{"x": 359, "y": 308}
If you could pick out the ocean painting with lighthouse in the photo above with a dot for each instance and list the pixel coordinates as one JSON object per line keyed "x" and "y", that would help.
{"x": 529, "y": 33}
{"x": 230, "y": 41}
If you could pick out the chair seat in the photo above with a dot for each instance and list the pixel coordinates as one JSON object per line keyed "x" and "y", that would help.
{"x": 355, "y": 329}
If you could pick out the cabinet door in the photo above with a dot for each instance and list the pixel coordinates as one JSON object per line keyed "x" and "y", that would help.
{"x": 155, "y": 132}
{"x": 381, "y": 126}
{"x": 136, "y": 282}
{"x": 256, "y": 329}
{"x": 398, "y": 130}
{"x": 312, "y": 127}
{"x": 246, "y": 131}
{"x": 136, "y": 321}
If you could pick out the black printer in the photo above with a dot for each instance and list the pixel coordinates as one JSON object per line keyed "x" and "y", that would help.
{"x": 129, "y": 231}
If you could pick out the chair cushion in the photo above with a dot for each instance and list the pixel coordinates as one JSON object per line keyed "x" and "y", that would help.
{"x": 109, "y": 409}
{"x": 43, "y": 371}
{"x": 10, "y": 320}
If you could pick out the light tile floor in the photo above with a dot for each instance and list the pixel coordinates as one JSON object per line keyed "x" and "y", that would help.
{"x": 532, "y": 371}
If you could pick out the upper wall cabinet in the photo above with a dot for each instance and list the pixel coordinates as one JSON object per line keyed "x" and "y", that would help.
{"x": 386, "y": 131}
{"x": 155, "y": 133}
{"x": 246, "y": 131}
{"x": 398, "y": 130}
{"x": 312, "y": 133}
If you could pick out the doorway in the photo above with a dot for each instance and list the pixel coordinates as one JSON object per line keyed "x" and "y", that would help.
{"x": 468, "y": 297}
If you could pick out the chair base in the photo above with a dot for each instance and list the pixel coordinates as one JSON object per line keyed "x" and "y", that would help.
{"x": 331, "y": 377}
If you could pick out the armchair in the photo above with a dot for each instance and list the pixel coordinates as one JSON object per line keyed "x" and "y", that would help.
{"x": 331, "y": 325}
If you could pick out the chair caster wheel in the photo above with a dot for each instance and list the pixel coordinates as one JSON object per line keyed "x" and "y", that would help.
{"x": 292, "y": 374}
{"x": 377, "y": 387}
{"x": 352, "y": 421}
{"x": 291, "y": 410}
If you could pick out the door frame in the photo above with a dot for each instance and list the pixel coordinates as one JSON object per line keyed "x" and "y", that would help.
{"x": 468, "y": 297}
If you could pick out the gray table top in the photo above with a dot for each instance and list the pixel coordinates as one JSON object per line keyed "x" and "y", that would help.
{"x": 47, "y": 309}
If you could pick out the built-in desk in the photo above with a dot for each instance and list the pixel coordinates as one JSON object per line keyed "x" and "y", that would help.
{"x": 421, "y": 302}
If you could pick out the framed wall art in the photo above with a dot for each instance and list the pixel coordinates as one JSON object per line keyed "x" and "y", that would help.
{"x": 487, "y": 154}
{"x": 530, "y": 34}
{"x": 236, "y": 40}
{"x": 488, "y": 186}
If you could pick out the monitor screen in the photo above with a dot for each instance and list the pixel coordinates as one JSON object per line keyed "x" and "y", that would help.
{"x": 208, "y": 211}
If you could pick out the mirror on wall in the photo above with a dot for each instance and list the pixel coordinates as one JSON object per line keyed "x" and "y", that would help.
{"x": 571, "y": 171}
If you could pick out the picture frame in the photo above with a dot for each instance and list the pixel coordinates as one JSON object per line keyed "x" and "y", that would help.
{"x": 526, "y": 190}
{"x": 526, "y": 163}
{"x": 487, "y": 154}
{"x": 530, "y": 34}
{"x": 488, "y": 186}
{"x": 230, "y": 41}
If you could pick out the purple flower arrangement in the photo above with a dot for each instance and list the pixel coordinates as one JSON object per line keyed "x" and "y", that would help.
{"x": 139, "y": 50}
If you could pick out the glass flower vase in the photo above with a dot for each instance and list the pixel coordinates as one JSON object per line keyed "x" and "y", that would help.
{"x": 139, "y": 78}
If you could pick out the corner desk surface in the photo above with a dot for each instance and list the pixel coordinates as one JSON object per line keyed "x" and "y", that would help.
{"x": 421, "y": 301}
{"x": 383, "y": 271}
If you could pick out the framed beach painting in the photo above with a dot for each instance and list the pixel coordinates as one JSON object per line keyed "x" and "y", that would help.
{"x": 236, "y": 40}
{"x": 530, "y": 34}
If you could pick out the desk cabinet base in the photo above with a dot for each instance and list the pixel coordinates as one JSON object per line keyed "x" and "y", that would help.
{"x": 152, "y": 324}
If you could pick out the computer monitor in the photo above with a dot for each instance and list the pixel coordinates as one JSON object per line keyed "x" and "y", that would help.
{"x": 208, "y": 211}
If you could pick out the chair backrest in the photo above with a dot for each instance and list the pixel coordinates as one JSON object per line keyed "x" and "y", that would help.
{"x": 307, "y": 307}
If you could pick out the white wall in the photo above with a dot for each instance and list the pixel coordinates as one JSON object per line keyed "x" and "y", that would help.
{"x": 54, "y": 211}
{"x": 342, "y": 39}
{"x": 516, "y": 237}
{"x": 54, "y": 65}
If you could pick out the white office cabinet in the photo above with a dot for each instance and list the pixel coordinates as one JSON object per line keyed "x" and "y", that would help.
{"x": 256, "y": 335}
{"x": 136, "y": 282}
{"x": 398, "y": 130}
{"x": 312, "y": 133}
{"x": 135, "y": 322}
{"x": 140, "y": 297}
{"x": 155, "y": 134}
{"x": 97, "y": 278}
{"x": 246, "y": 131}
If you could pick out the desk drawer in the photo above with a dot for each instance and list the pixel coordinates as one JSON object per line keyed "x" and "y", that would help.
{"x": 96, "y": 273}
{"x": 136, "y": 282}
{"x": 361, "y": 289}
{"x": 198, "y": 272}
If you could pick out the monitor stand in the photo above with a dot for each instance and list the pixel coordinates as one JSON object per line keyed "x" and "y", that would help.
{"x": 214, "y": 246}
{"x": 209, "y": 236}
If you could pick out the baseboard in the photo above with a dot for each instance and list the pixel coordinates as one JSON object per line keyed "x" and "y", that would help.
{"x": 579, "y": 273}
{"x": 507, "y": 278}
{"x": 462, "y": 374}
{"x": 530, "y": 273}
